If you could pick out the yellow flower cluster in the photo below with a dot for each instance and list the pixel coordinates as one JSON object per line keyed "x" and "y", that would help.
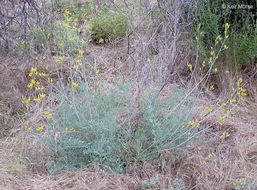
{"x": 59, "y": 59}
{"x": 230, "y": 105}
{"x": 72, "y": 129}
{"x": 48, "y": 114}
{"x": 74, "y": 85}
{"x": 235, "y": 183}
{"x": 211, "y": 157}
{"x": 190, "y": 125}
{"x": 68, "y": 22}
{"x": 40, "y": 128}
{"x": 78, "y": 61}
{"x": 35, "y": 83}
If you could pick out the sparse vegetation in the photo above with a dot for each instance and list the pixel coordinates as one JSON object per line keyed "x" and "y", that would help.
{"x": 127, "y": 95}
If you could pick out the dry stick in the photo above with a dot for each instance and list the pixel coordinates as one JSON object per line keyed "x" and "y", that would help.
{"x": 133, "y": 30}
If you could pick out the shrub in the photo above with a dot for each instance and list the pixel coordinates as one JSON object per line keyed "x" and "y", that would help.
{"x": 100, "y": 129}
{"x": 108, "y": 26}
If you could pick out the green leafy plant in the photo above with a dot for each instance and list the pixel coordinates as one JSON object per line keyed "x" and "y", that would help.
{"x": 242, "y": 36}
{"x": 108, "y": 26}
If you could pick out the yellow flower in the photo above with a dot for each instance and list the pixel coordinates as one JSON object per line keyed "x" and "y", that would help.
{"x": 227, "y": 26}
{"x": 81, "y": 52}
{"x": 215, "y": 70}
{"x": 73, "y": 27}
{"x": 61, "y": 44}
{"x": 225, "y": 47}
{"x": 41, "y": 96}
{"x": 35, "y": 99}
{"x": 28, "y": 128}
{"x": 210, "y": 59}
{"x": 75, "y": 84}
{"x": 240, "y": 80}
{"x": 77, "y": 61}
{"x": 27, "y": 101}
{"x": 209, "y": 155}
{"x": 190, "y": 67}
{"x": 30, "y": 85}
{"x": 75, "y": 66}
{"x": 66, "y": 129}
{"x": 212, "y": 52}
{"x": 40, "y": 128}
{"x": 65, "y": 25}
{"x": 78, "y": 30}
{"x": 233, "y": 100}
{"x": 33, "y": 70}
{"x": 67, "y": 12}
{"x": 97, "y": 72}
{"x": 71, "y": 39}
{"x": 226, "y": 36}
{"x": 50, "y": 80}
{"x": 75, "y": 20}
{"x": 59, "y": 59}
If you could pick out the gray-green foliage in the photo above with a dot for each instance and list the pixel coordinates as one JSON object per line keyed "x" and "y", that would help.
{"x": 245, "y": 185}
{"x": 106, "y": 133}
